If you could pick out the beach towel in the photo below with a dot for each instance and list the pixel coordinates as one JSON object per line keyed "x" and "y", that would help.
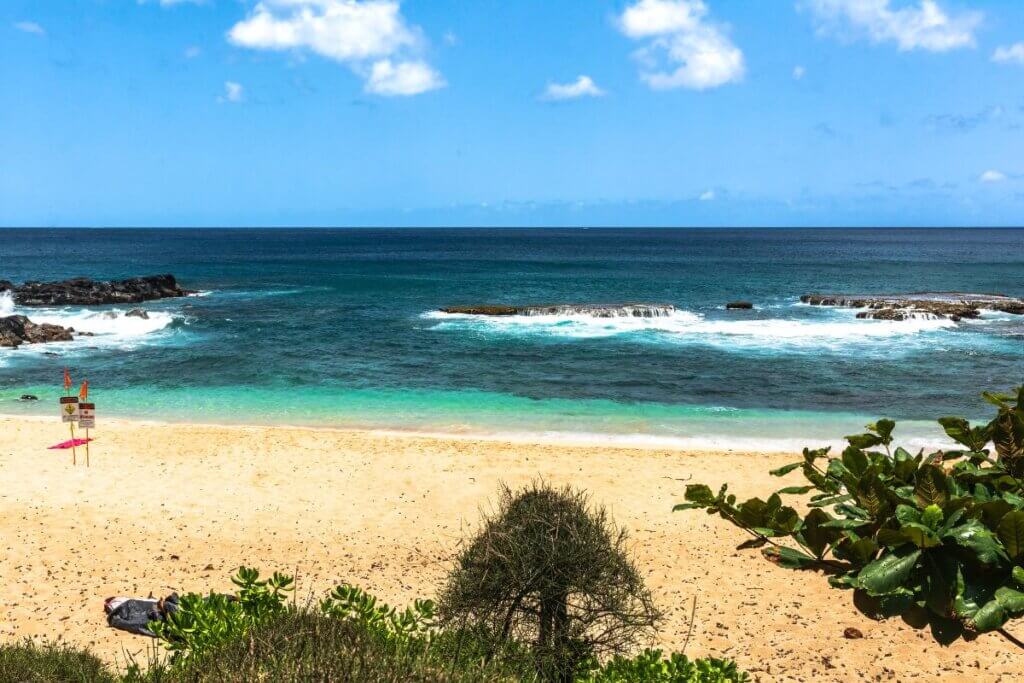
{"x": 134, "y": 614}
{"x": 64, "y": 445}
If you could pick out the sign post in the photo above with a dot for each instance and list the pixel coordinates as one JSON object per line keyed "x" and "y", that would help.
{"x": 87, "y": 421}
{"x": 69, "y": 414}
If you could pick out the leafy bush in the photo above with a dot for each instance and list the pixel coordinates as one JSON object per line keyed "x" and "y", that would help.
{"x": 350, "y": 603}
{"x": 203, "y": 622}
{"x": 651, "y": 667}
{"x": 30, "y": 663}
{"x": 549, "y": 570}
{"x": 940, "y": 535}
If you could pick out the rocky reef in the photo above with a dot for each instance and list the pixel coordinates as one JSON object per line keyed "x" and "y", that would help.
{"x": 951, "y": 305}
{"x": 592, "y": 310}
{"x": 16, "y": 330}
{"x": 87, "y": 292}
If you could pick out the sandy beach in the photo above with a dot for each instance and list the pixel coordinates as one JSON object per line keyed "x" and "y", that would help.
{"x": 177, "y": 508}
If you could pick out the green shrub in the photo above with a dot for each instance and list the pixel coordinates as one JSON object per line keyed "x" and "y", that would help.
{"x": 27, "y": 662}
{"x": 940, "y": 536}
{"x": 651, "y": 667}
{"x": 203, "y": 622}
{"x": 550, "y": 570}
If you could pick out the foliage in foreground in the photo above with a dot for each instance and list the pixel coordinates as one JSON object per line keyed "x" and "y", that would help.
{"x": 549, "y": 569}
{"x": 27, "y": 662}
{"x": 348, "y": 637}
{"x": 938, "y": 536}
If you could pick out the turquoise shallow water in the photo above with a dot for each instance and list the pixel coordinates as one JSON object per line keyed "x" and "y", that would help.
{"x": 340, "y": 328}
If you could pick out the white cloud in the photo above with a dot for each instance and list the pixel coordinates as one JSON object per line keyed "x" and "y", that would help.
{"x": 583, "y": 86}
{"x": 923, "y": 25}
{"x": 1009, "y": 54}
{"x": 403, "y": 78}
{"x": 684, "y": 50}
{"x": 233, "y": 92}
{"x": 369, "y": 36}
{"x": 30, "y": 27}
{"x": 992, "y": 176}
{"x": 192, "y": 51}
{"x": 707, "y": 195}
{"x": 799, "y": 72}
{"x": 171, "y": 3}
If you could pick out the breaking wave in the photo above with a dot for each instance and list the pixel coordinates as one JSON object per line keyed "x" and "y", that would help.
{"x": 686, "y": 327}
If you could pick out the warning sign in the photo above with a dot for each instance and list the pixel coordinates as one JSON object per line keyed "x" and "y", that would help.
{"x": 87, "y": 415}
{"x": 69, "y": 408}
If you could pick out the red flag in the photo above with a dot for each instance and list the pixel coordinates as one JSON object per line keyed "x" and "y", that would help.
{"x": 83, "y": 393}
{"x": 67, "y": 380}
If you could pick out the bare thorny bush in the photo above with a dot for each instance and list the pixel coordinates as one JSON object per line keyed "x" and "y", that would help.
{"x": 550, "y": 569}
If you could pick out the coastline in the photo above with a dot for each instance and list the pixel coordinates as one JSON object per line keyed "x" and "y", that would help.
{"x": 164, "y": 510}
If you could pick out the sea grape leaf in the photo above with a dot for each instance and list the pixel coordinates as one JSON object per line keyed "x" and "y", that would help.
{"x": 920, "y": 535}
{"x": 892, "y": 538}
{"x": 960, "y": 431}
{"x": 931, "y": 487}
{"x": 855, "y": 460}
{"x": 830, "y": 500}
{"x": 815, "y": 536}
{"x": 906, "y": 514}
{"x": 1018, "y": 576}
{"x": 789, "y": 557}
{"x": 889, "y": 572}
{"x": 990, "y": 617}
{"x": 975, "y": 537}
{"x": 785, "y": 469}
{"x": 884, "y": 429}
{"x": 699, "y": 494}
{"x": 795, "y": 490}
{"x": 1011, "y": 600}
{"x": 861, "y": 441}
{"x": 932, "y": 516}
{"x": 1011, "y": 533}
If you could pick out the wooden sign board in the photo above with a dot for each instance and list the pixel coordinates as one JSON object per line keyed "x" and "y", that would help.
{"x": 87, "y": 415}
{"x": 69, "y": 408}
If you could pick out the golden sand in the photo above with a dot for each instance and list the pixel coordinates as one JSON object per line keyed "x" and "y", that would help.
{"x": 178, "y": 508}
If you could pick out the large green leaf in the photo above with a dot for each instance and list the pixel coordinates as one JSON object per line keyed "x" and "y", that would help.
{"x": 1011, "y": 600}
{"x": 974, "y": 536}
{"x": 1011, "y": 533}
{"x": 861, "y": 441}
{"x": 920, "y": 535}
{"x": 960, "y": 431}
{"x": 931, "y": 487}
{"x": 990, "y": 617}
{"x": 785, "y": 469}
{"x": 788, "y": 557}
{"x": 815, "y": 536}
{"x": 889, "y": 572}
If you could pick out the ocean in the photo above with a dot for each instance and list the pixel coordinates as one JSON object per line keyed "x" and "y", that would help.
{"x": 341, "y": 328}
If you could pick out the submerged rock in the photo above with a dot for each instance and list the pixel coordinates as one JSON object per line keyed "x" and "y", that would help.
{"x": 593, "y": 310}
{"x": 137, "y": 313}
{"x": 739, "y": 306}
{"x": 28, "y": 397}
{"x": 86, "y": 292}
{"x": 951, "y": 305}
{"x": 16, "y": 330}
{"x": 6, "y": 285}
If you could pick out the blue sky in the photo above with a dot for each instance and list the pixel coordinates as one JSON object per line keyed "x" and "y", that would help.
{"x": 523, "y": 112}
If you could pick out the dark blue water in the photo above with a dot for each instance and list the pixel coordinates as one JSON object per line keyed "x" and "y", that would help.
{"x": 336, "y": 327}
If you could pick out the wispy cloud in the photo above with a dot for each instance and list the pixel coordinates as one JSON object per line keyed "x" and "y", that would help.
{"x": 923, "y": 25}
{"x": 30, "y": 27}
{"x": 1009, "y": 54}
{"x": 684, "y": 49}
{"x": 707, "y": 196}
{"x": 233, "y": 93}
{"x": 992, "y": 176}
{"x": 799, "y": 72}
{"x": 369, "y": 36}
{"x": 583, "y": 86}
{"x": 192, "y": 51}
{"x": 963, "y": 123}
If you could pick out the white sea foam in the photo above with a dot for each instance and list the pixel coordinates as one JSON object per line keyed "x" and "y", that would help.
{"x": 6, "y": 303}
{"x": 686, "y": 327}
{"x": 111, "y": 327}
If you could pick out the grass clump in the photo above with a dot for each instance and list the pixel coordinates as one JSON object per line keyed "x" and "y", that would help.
{"x": 27, "y": 662}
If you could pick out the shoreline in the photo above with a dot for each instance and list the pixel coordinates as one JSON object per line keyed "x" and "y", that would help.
{"x": 638, "y": 441}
